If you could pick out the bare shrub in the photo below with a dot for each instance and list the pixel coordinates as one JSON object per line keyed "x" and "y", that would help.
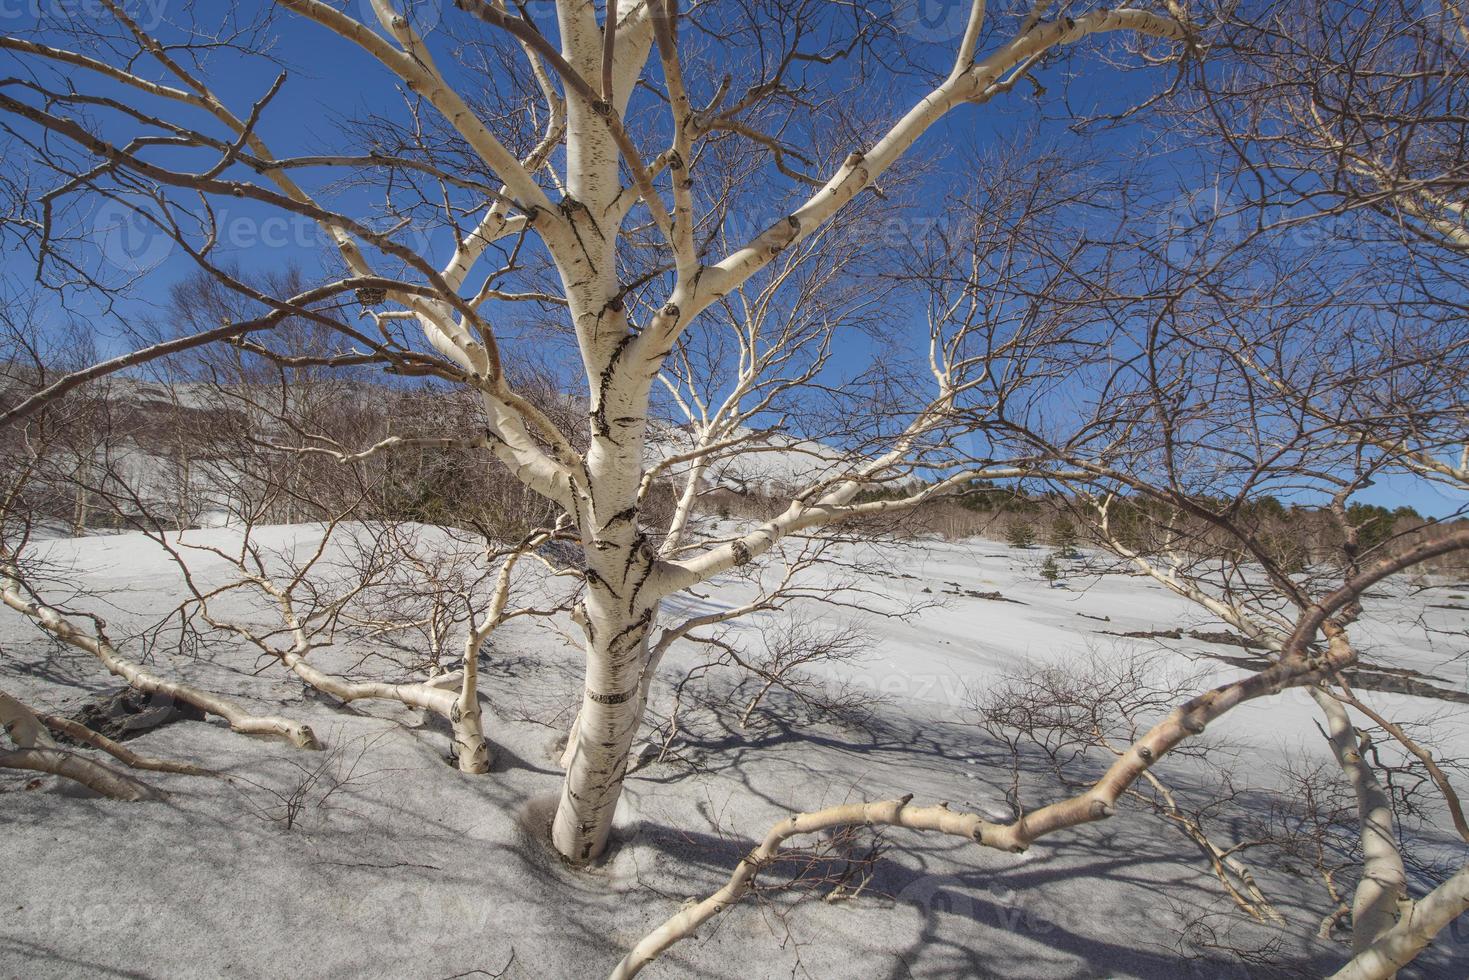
{"x": 321, "y": 785}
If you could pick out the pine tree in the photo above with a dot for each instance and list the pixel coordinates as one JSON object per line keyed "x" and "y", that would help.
{"x": 1020, "y": 535}
{"x": 1050, "y": 571}
{"x": 1064, "y": 537}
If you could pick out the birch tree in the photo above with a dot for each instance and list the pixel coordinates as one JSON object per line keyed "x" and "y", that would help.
{"x": 1307, "y": 331}
{"x": 561, "y": 155}
{"x": 1240, "y": 369}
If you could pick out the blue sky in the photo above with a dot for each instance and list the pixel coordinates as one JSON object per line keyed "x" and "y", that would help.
{"x": 330, "y": 80}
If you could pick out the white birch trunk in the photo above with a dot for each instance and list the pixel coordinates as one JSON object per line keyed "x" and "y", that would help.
{"x": 1384, "y": 884}
{"x": 471, "y": 751}
{"x": 1398, "y": 946}
{"x": 619, "y": 561}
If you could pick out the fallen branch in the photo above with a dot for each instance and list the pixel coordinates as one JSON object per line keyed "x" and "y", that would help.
{"x": 76, "y": 730}
{"x": 1397, "y": 947}
{"x": 890, "y": 813}
{"x": 52, "y": 621}
{"x": 36, "y": 751}
{"x": 1299, "y": 664}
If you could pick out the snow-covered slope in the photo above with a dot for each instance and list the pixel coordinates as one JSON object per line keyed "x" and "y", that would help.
{"x": 766, "y": 462}
{"x": 410, "y": 869}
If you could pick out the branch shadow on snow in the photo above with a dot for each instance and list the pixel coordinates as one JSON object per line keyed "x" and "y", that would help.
{"x": 1023, "y": 921}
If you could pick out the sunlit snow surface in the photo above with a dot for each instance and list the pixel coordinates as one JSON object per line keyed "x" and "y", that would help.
{"x": 414, "y": 870}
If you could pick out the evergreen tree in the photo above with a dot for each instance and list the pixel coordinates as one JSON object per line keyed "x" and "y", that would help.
{"x": 1050, "y": 571}
{"x": 1064, "y": 537}
{"x": 1020, "y": 535}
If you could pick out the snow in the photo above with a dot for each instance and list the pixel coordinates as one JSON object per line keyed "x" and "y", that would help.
{"x": 411, "y": 869}
{"x": 768, "y": 462}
